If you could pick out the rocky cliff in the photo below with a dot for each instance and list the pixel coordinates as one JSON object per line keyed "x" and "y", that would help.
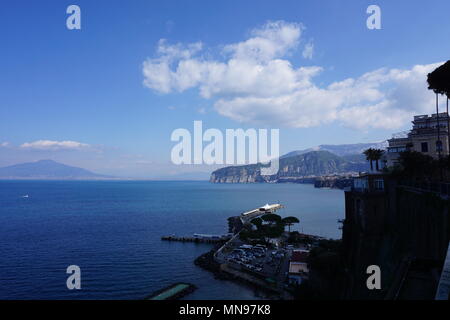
{"x": 303, "y": 168}
{"x": 403, "y": 230}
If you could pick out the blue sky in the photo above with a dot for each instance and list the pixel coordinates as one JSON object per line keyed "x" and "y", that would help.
{"x": 87, "y": 85}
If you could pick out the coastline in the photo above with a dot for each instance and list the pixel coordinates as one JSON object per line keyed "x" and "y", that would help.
{"x": 327, "y": 181}
{"x": 207, "y": 262}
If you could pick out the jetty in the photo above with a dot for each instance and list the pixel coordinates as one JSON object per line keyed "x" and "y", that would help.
{"x": 234, "y": 228}
{"x": 173, "y": 292}
{"x": 258, "y": 212}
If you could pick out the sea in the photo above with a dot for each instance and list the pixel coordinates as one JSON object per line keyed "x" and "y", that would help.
{"x": 112, "y": 230}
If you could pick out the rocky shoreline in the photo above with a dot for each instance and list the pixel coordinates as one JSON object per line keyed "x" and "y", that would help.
{"x": 302, "y": 168}
{"x": 335, "y": 182}
{"x": 206, "y": 261}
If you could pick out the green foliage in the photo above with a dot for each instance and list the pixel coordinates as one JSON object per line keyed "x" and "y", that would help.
{"x": 257, "y": 221}
{"x": 327, "y": 269}
{"x": 330, "y": 245}
{"x": 271, "y": 217}
{"x": 289, "y": 221}
{"x": 439, "y": 79}
{"x": 295, "y": 237}
{"x": 369, "y": 154}
{"x": 416, "y": 164}
{"x": 273, "y": 231}
{"x": 373, "y": 155}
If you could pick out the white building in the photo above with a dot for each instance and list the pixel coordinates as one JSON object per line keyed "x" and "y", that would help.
{"x": 426, "y": 136}
{"x": 298, "y": 266}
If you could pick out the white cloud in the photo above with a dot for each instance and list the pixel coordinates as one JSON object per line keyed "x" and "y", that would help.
{"x": 54, "y": 145}
{"x": 308, "y": 50}
{"x": 157, "y": 72}
{"x": 253, "y": 65}
{"x": 257, "y": 83}
{"x": 274, "y": 39}
{"x": 4, "y": 144}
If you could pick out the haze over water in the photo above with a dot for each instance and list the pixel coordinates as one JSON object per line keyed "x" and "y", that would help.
{"x": 112, "y": 230}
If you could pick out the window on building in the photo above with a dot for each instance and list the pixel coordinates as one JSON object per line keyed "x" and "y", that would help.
{"x": 378, "y": 184}
{"x": 396, "y": 149}
{"x": 424, "y": 146}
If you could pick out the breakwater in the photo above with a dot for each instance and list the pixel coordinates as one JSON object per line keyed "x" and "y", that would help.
{"x": 173, "y": 292}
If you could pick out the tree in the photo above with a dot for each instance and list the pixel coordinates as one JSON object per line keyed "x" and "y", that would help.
{"x": 439, "y": 82}
{"x": 416, "y": 164}
{"x": 289, "y": 221}
{"x": 377, "y": 154}
{"x": 273, "y": 231}
{"x": 373, "y": 155}
{"x": 271, "y": 218}
{"x": 369, "y": 153}
{"x": 257, "y": 221}
{"x": 439, "y": 79}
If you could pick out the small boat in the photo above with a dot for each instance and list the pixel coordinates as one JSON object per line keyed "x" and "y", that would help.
{"x": 25, "y": 196}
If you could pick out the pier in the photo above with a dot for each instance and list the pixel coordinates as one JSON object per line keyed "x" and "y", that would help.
{"x": 258, "y": 212}
{"x": 173, "y": 292}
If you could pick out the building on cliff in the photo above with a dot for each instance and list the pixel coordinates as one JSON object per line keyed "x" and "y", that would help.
{"x": 426, "y": 137}
{"x": 403, "y": 229}
{"x": 298, "y": 267}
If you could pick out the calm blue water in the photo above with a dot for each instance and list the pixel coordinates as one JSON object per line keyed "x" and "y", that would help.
{"x": 112, "y": 231}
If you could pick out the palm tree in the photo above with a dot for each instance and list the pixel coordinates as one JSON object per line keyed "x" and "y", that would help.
{"x": 369, "y": 153}
{"x": 289, "y": 221}
{"x": 373, "y": 155}
{"x": 377, "y": 154}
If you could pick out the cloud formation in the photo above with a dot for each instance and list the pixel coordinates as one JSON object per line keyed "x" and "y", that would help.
{"x": 54, "y": 145}
{"x": 255, "y": 82}
{"x": 308, "y": 50}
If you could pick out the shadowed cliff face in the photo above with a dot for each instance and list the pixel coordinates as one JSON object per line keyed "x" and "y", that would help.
{"x": 315, "y": 163}
{"x": 404, "y": 231}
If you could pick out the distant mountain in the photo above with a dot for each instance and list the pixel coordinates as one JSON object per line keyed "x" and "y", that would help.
{"x": 341, "y": 149}
{"x": 292, "y": 168}
{"x": 47, "y": 169}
